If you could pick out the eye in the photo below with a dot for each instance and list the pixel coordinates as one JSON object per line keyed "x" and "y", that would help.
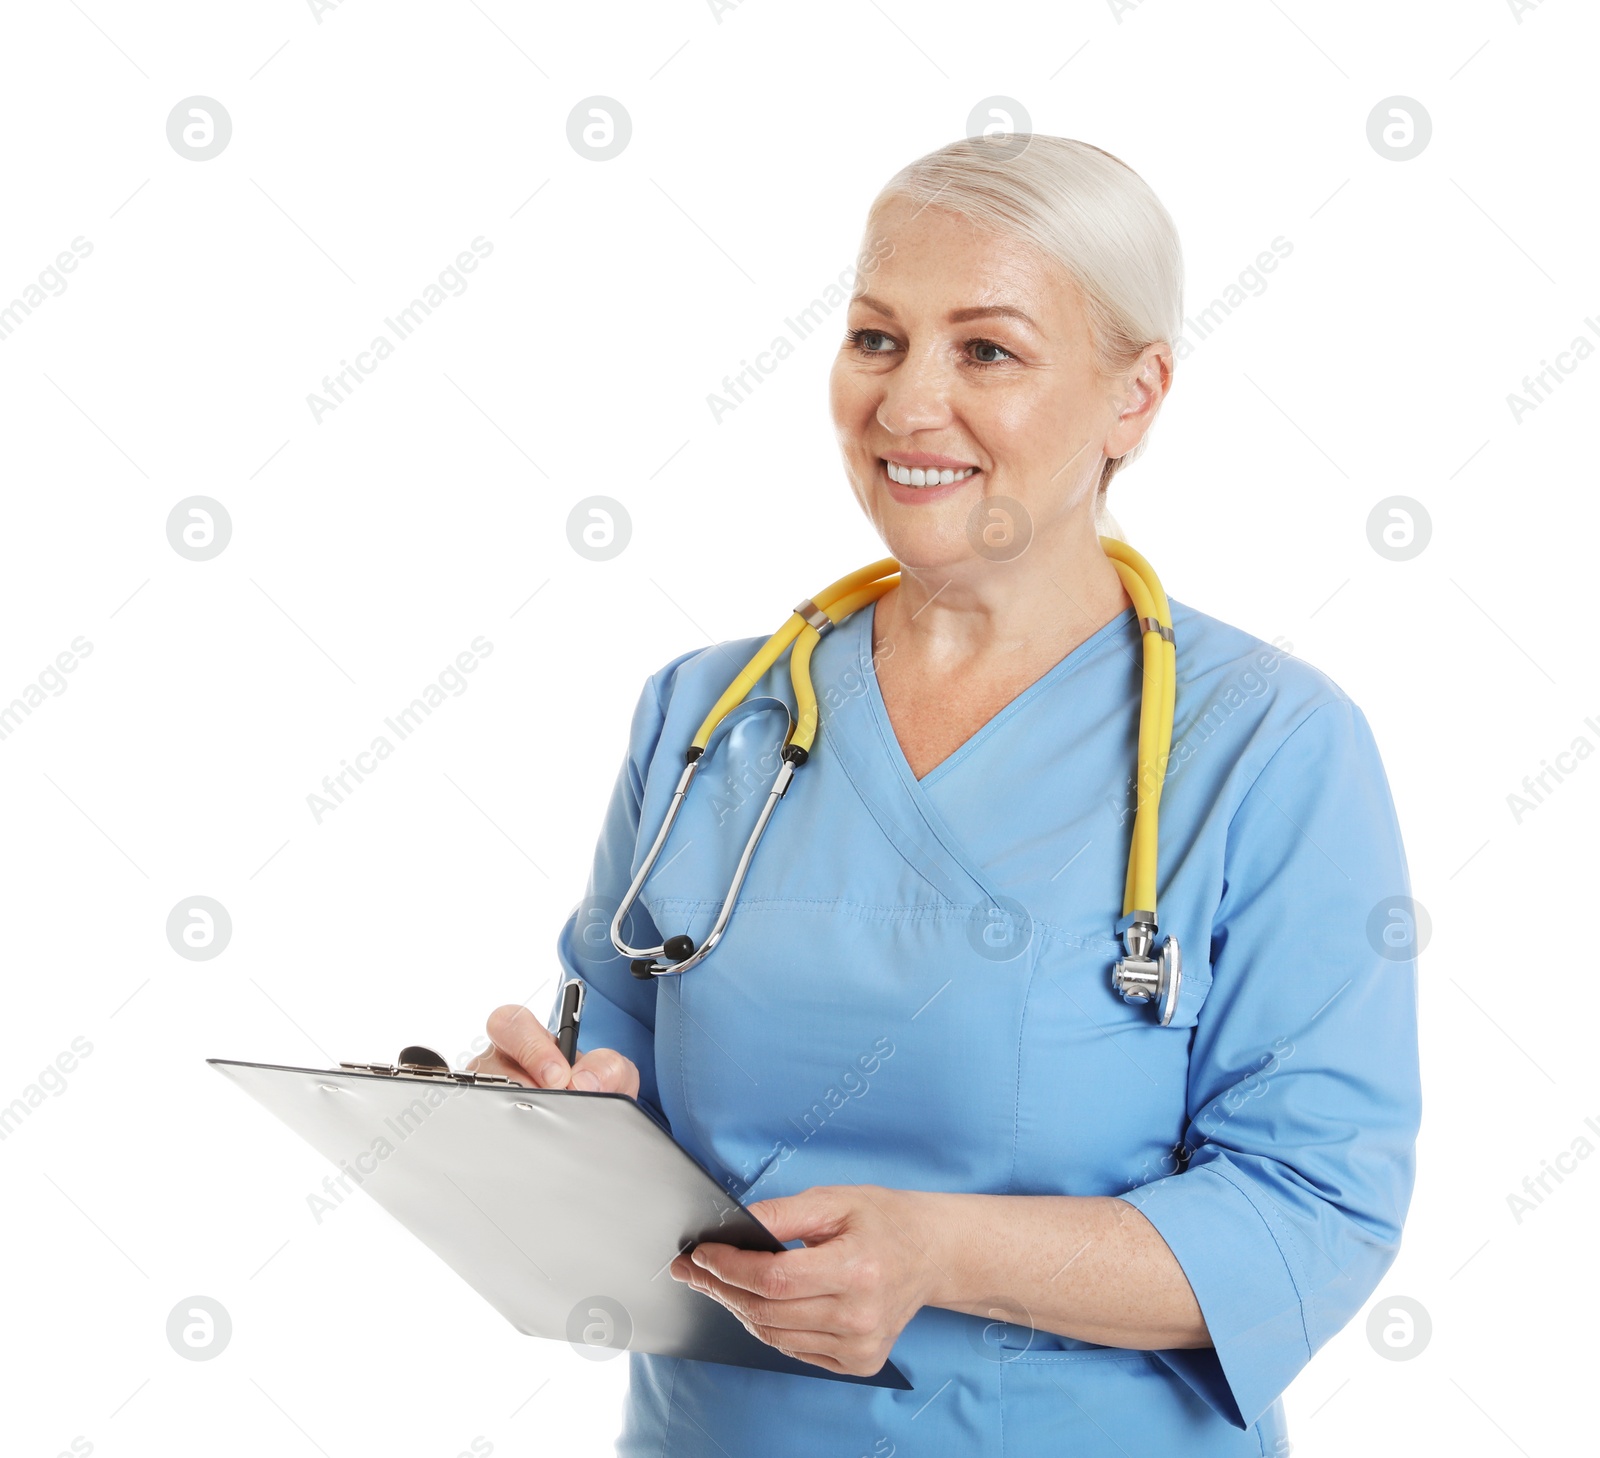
{"x": 870, "y": 341}
{"x": 977, "y": 345}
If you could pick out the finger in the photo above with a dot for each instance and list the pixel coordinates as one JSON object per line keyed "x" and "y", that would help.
{"x": 813, "y": 1215}
{"x": 816, "y": 1359}
{"x": 806, "y": 1346}
{"x": 848, "y": 1361}
{"x": 823, "y": 1349}
{"x": 824, "y": 1331}
{"x": 789, "y": 1275}
{"x": 521, "y": 1038}
{"x": 799, "y": 1313}
{"x": 609, "y": 1070}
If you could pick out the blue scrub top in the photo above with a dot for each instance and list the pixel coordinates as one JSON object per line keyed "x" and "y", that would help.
{"x": 870, "y": 1017}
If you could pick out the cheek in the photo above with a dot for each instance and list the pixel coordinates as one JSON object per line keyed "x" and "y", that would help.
{"x": 1017, "y": 421}
{"x": 1020, "y": 431}
{"x": 852, "y": 405}
{"x": 1041, "y": 411}
{"x": 851, "y": 399}
{"x": 1046, "y": 434}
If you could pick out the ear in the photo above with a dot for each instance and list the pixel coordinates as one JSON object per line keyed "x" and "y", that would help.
{"x": 1137, "y": 394}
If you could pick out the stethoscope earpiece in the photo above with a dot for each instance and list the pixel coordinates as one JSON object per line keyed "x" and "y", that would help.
{"x": 674, "y": 949}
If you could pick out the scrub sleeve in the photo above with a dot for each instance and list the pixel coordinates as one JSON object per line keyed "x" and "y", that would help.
{"x": 1301, "y": 1160}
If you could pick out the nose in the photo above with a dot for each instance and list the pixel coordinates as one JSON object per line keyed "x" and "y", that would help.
{"x": 916, "y": 396}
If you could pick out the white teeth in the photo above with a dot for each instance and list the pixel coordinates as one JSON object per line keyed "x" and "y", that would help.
{"x": 916, "y": 476}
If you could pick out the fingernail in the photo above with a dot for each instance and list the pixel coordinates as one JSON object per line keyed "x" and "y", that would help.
{"x": 697, "y": 1258}
{"x": 553, "y": 1075}
{"x": 583, "y": 1078}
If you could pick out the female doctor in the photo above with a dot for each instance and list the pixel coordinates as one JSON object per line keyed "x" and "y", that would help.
{"x": 1076, "y": 1228}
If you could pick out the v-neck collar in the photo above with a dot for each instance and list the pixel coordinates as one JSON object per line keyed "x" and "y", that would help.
{"x": 880, "y": 710}
{"x": 860, "y": 738}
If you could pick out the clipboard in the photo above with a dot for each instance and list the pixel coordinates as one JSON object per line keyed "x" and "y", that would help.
{"x": 562, "y": 1208}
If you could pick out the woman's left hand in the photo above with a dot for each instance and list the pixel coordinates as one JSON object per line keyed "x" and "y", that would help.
{"x": 842, "y": 1300}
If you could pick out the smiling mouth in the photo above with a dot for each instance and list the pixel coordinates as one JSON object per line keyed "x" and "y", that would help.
{"x": 917, "y": 476}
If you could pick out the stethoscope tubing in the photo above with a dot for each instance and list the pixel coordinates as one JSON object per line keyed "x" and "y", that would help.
{"x": 801, "y": 633}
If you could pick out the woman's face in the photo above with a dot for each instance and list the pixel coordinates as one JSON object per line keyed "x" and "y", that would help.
{"x": 969, "y": 355}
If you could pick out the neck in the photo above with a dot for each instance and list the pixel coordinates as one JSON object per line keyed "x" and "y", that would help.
{"x": 1031, "y": 611}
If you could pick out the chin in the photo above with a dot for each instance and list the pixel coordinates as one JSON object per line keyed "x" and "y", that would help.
{"x": 929, "y": 540}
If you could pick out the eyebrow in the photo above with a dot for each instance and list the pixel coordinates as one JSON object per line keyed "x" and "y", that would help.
{"x": 956, "y": 316}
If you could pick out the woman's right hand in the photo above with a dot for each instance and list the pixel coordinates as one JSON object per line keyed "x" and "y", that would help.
{"x": 524, "y": 1052}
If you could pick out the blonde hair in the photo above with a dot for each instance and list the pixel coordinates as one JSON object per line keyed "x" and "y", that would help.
{"x": 1082, "y": 207}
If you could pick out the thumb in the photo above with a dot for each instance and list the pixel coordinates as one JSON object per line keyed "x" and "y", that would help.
{"x": 813, "y": 1215}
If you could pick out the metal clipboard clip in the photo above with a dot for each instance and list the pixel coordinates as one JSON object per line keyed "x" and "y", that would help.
{"x": 419, "y": 1062}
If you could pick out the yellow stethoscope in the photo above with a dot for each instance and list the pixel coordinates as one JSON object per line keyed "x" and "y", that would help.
{"x": 1147, "y": 972}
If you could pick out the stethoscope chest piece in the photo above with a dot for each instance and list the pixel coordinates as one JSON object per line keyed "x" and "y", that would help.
{"x": 1149, "y": 973}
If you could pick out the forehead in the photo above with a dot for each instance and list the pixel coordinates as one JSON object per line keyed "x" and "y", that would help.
{"x": 922, "y": 258}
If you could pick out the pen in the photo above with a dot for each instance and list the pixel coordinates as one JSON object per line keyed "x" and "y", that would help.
{"x": 571, "y": 1012}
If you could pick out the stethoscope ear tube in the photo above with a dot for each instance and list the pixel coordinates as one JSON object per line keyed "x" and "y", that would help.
{"x": 680, "y": 951}
{"x": 648, "y": 864}
{"x": 806, "y": 623}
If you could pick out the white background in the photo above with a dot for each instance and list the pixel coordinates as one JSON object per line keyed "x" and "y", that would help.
{"x": 371, "y": 146}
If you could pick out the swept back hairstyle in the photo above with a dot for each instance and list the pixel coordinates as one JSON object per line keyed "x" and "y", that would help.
{"x": 1082, "y": 207}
